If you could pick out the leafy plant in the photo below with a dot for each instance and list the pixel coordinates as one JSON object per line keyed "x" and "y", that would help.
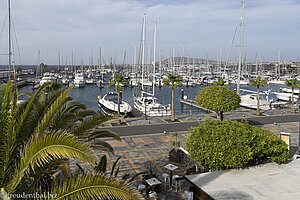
{"x": 219, "y": 99}
{"x": 118, "y": 79}
{"x": 174, "y": 81}
{"x": 219, "y": 82}
{"x": 292, "y": 83}
{"x": 176, "y": 142}
{"x": 219, "y": 145}
{"x": 38, "y": 136}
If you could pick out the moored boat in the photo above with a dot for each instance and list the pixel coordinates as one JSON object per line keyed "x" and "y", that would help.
{"x": 109, "y": 104}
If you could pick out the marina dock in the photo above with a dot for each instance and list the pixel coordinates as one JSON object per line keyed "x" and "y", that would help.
{"x": 192, "y": 103}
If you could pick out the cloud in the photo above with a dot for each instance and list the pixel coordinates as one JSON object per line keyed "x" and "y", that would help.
{"x": 203, "y": 27}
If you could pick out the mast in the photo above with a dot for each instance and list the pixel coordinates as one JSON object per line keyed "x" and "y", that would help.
{"x": 240, "y": 50}
{"x": 9, "y": 41}
{"x": 37, "y": 65}
{"x": 154, "y": 48}
{"x": 58, "y": 62}
{"x": 143, "y": 52}
{"x": 173, "y": 60}
{"x": 100, "y": 61}
{"x": 159, "y": 61}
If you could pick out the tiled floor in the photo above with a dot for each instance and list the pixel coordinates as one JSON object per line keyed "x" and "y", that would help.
{"x": 138, "y": 151}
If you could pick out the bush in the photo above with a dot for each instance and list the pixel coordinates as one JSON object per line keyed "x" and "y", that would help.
{"x": 219, "y": 145}
{"x": 219, "y": 99}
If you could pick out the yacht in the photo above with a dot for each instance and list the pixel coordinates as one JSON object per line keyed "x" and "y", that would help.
{"x": 150, "y": 107}
{"x": 109, "y": 104}
{"x": 277, "y": 81}
{"x": 65, "y": 80}
{"x": 147, "y": 103}
{"x": 250, "y": 101}
{"x": 48, "y": 77}
{"x": 90, "y": 81}
{"x": 283, "y": 96}
{"x": 289, "y": 90}
{"x": 79, "y": 80}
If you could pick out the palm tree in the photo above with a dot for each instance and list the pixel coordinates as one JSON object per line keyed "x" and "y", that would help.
{"x": 41, "y": 133}
{"x": 174, "y": 81}
{"x": 18, "y": 70}
{"x": 292, "y": 83}
{"x": 219, "y": 82}
{"x": 118, "y": 79}
{"x": 258, "y": 83}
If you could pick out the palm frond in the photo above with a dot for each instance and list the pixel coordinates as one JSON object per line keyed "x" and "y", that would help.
{"x": 94, "y": 187}
{"x": 95, "y": 134}
{"x": 30, "y": 104}
{"x": 47, "y": 148}
{"x": 93, "y": 122}
{"x": 102, "y": 145}
{"x": 45, "y": 122}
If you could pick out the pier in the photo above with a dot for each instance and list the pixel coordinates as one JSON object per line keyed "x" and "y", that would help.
{"x": 190, "y": 102}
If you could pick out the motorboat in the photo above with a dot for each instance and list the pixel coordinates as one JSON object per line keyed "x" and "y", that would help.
{"x": 283, "y": 96}
{"x": 109, "y": 104}
{"x": 250, "y": 101}
{"x": 48, "y": 77}
{"x": 79, "y": 80}
{"x": 289, "y": 90}
{"x": 277, "y": 81}
{"x": 90, "y": 81}
{"x": 65, "y": 80}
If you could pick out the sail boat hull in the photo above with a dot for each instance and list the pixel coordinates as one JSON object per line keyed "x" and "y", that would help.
{"x": 148, "y": 106}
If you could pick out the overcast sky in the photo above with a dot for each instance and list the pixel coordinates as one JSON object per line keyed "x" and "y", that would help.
{"x": 203, "y": 28}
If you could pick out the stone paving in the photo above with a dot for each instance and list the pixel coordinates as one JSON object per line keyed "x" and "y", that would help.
{"x": 137, "y": 152}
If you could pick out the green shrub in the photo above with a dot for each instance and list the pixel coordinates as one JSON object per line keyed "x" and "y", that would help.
{"x": 219, "y": 99}
{"x": 219, "y": 145}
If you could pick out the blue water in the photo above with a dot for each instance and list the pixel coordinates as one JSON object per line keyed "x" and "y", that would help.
{"x": 88, "y": 95}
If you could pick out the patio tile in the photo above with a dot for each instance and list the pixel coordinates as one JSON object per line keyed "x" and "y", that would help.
{"x": 142, "y": 140}
{"x": 271, "y": 128}
{"x": 141, "y": 162}
{"x": 292, "y": 127}
{"x": 117, "y": 155}
{"x": 124, "y": 164}
{"x": 136, "y": 154}
{"x": 115, "y": 143}
{"x": 154, "y": 152}
{"x": 166, "y": 138}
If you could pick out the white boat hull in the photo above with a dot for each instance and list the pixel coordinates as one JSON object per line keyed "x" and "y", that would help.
{"x": 285, "y": 96}
{"x": 153, "y": 110}
{"x": 111, "y": 106}
{"x": 247, "y": 101}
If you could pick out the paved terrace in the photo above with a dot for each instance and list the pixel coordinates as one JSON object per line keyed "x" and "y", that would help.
{"x": 143, "y": 143}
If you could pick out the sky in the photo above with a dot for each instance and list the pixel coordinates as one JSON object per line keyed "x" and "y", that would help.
{"x": 193, "y": 28}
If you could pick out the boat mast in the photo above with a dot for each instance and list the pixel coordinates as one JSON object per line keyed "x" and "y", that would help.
{"x": 9, "y": 41}
{"x": 38, "y": 65}
{"x": 143, "y": 52}
{"x": 240, "y": 50}
{"x": 154, "y": 47}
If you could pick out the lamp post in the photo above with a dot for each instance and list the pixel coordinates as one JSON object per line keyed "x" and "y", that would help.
{"x": 145, "y": 111}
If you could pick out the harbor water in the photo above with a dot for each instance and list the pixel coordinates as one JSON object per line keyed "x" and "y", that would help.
{"x": 89, "y": 93}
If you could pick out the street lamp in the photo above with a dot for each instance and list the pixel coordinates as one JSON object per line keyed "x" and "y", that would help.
{"x": 145, "y": 111}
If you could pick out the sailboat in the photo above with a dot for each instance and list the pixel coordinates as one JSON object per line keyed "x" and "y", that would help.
{"x": 147, "y": 103}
